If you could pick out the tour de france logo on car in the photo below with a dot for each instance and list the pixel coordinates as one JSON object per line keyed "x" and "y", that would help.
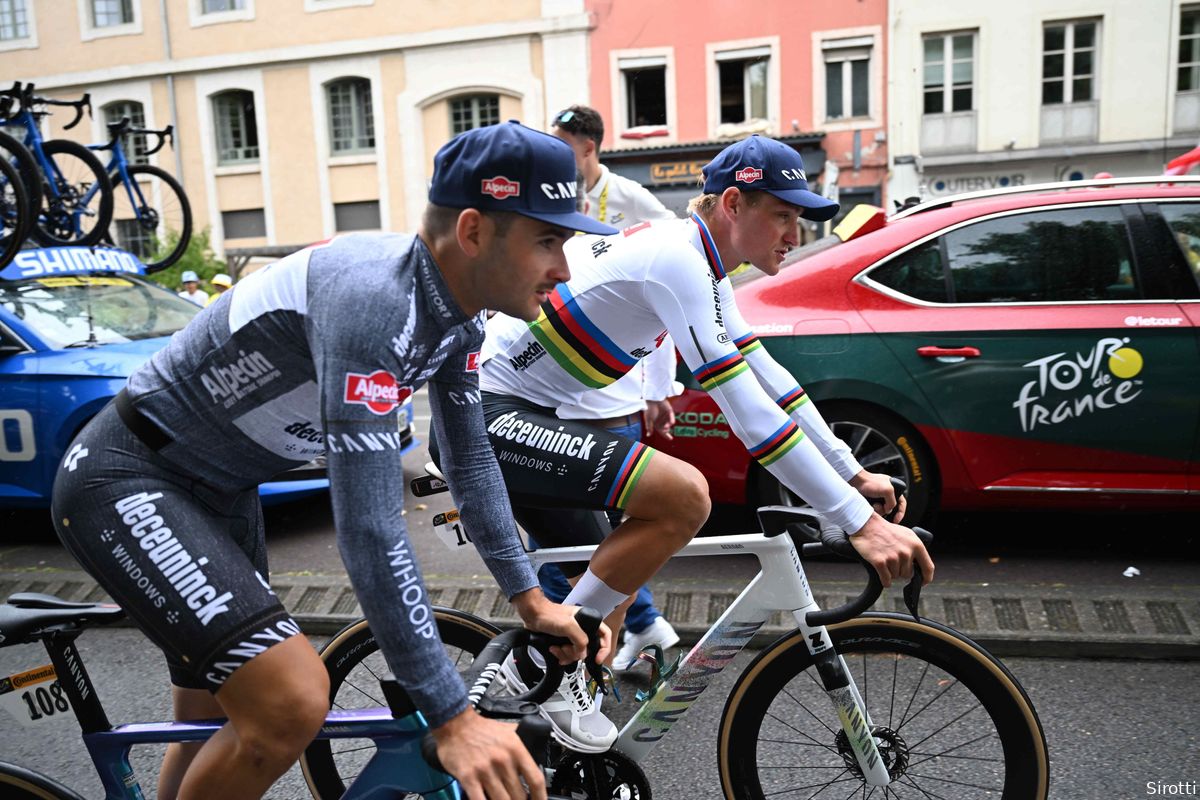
{"x": 377, "y": 391}
{"x": 1072, "y": 385}
{"x": 501, "y": 187}
{"x": 748, "y": 175}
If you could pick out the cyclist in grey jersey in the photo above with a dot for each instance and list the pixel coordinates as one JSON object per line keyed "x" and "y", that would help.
{"x": 313, "y": 354}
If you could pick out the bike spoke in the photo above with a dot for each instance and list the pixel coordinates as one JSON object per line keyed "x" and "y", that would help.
{"x": 946, "y": 753}
{"x": 911, "y": 700}
{"x": 820, "y": 787}
{"x": 892, "y": 704}
{"x": 816, "y": 742}
{"x": 941, "y": 728}
{"x": 909, "y": 782}
{"x": 954, "y": 782}
{"x": 810, "y": 713}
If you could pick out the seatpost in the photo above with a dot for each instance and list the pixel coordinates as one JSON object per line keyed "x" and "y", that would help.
{"x": 74, "y": 679}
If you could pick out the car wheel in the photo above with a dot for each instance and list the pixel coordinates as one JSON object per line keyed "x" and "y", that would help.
{"x": 882, "y": 443}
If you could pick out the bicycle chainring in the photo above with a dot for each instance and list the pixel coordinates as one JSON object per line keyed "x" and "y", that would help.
{"x": 604, "y": 776}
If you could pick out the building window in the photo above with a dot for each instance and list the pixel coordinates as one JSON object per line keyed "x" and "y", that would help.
{"x": 1068, "y": 62}
{"x": 237, "y": 129}
{"x": 363, "y": 216}
{"x": 134, "y": 144}
{"x": 14, "y": 20}
{"x": 742, "y": 81}
{"x": 221, "y": 6}
{"x": 109, "y": 13}
{"x": 847, "y": 77}
{"x": 476, "y": 111}
{"x": 250, "y": 223}
{"x": 1189, "y": 50}
{"x": 645, "y": 87}
{"x": 134, "y": 237}
{"x": 949, "y": 73}
{"x": 351, "y": 122}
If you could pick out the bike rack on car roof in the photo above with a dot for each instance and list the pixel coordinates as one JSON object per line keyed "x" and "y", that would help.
{"x": 1101, "y": 183}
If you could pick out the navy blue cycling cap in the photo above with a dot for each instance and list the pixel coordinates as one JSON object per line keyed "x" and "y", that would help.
{"x": 767, "y": 165}
{"x": 509, "y": 167}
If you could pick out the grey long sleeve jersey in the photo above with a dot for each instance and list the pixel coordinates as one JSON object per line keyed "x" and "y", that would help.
{"x": 312, "y": 355}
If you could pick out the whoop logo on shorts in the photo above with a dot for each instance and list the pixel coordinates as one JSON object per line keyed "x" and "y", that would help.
{"x": 748, "y": 175}
{"x": 501, "y": 187}
{"x": 377, "y": 391}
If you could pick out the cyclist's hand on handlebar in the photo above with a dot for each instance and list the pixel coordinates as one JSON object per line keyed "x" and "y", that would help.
{"x": 540, "y": 614}
{"x": 880, "y": 493}
{"x": 488, "y": 759}
{"x": 892, "y": 549}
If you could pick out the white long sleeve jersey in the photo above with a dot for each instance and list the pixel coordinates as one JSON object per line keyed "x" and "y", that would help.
{"x": 629, "y": 291}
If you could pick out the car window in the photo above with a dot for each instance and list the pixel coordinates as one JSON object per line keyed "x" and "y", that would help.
{"x": 1184, "y": 219}
{"x": 1043, "y": 256}
{"x": 917, "y": 273}
{"x": 75, "y": 310}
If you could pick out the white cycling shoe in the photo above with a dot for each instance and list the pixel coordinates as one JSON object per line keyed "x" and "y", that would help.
{"x": 660, "y": 633}
{"x": 574, "y": 715}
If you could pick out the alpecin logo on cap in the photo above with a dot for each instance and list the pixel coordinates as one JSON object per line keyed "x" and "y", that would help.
{"x": 749, "y": 175}
{"x": 501, "y": 187}
{"x": 377, "y": 391}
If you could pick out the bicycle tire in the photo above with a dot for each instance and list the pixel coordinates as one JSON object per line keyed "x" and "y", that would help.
{"x": 347, "y": 656}
{"x": 777, "y": 698}
{"x": 78, "y": 172}
{"x": 18, "y": 783}
{"x": 14, "y": 213}
{"x": 162, "y": 203}
{"x": 31, "y": 175}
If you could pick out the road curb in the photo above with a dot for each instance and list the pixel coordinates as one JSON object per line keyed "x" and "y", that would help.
{"x": 1009, "y": 620}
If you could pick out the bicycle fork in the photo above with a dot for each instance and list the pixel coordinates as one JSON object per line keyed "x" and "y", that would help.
{"x": 847, "y": 702}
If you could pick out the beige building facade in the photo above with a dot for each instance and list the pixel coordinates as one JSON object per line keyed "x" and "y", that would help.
{"x": 985, "y": 96}
{"x": 299, "y": 119}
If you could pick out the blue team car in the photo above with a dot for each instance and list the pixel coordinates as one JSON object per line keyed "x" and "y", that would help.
{"x": 74, "y": 324}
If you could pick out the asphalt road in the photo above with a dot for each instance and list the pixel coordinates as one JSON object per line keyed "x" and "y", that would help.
{"x": 1112, "y": 726}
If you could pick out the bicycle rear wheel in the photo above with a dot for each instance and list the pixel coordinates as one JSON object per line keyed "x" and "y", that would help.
{"x": 152, "y": 218}
{"x": 355, "y": 666}
{"x": 14, "y": 213}
{"x": 950, "y": 720}
{"x": 15, "y": 153}
{"x": 77, "y": 201}
{"x": 18, "y": 783}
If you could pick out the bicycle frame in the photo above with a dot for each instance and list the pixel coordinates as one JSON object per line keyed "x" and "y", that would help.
{"x": 780, "y": 585}
{"x": 396, "y": 766}
{"x": 119, "y": 165}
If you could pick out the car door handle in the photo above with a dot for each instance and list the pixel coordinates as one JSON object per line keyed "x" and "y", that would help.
{"x": 933, "y": 351}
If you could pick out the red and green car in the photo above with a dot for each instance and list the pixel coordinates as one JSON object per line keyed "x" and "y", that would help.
{"x": 1030, "y": 348}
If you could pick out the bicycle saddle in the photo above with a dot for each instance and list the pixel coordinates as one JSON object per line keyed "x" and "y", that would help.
{"x": 27, "y": 615}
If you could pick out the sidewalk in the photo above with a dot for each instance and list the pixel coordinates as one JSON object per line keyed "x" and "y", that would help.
{"x": 1008, "y": 620}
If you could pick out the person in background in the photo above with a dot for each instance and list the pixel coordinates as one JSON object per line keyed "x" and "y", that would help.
{"x": 221, "y": 283}
{"x": 191, "y": 288}
{"x": 638, "y": 399}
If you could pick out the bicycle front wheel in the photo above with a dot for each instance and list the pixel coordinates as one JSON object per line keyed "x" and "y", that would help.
{"x": 355, "y": 666}
{"x": 949, "y": 719}
{"x": 16, "y": 154}
{"x": 151, "y": 217}
{"x": 18, "y": 783}
{"x": 77, "y": 197}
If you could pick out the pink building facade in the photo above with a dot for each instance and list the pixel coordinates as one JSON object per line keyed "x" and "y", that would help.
{"x": 677, "y": 81}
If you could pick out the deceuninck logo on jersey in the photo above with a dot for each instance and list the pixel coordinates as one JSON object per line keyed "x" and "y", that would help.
{"x": 501, "y": 187}
{"x": 378, "y": 391}
{"x": 748, "y": 175}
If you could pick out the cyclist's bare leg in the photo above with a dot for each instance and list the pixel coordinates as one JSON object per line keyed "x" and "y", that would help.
{"x": 189, "y": 704}
{"x": 275, "y": 703}
{"x": 666, "y": 508}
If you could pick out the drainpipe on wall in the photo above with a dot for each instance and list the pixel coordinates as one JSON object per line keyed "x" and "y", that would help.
{"x": 176, "y": 147}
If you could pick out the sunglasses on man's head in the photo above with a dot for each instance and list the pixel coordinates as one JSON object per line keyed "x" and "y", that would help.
{"x": 564, "y": 118}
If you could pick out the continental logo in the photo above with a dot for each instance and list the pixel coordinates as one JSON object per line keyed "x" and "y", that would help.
{"x": 30, "y": 677}
{"x": 914, "y": 469}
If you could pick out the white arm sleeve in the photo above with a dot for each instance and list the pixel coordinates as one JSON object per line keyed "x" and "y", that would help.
{"x": 686, "y": 297}
{"x": 781, "y": 386}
